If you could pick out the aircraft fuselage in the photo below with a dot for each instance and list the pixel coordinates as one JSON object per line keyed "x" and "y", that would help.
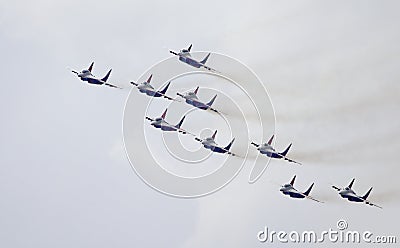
{"x": 190, "y": 61}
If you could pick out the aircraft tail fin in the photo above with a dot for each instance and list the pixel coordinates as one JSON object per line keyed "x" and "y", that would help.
{"x": 190, "y": 47}
{"x": 309, "y": 189}
{"x": 286, "y": 150}
{"x": 205, "y": 59}
{"x": 180, "y": 122}
{"x": 351, "y": 183}
{"x": 149, "y": 79}
{"x": 196, "y": 90}
{"x": 215, "y": 133}
{"x": 292, "y": 182}
{"x": 211, "y": 101}
{"x": 367, "y": 194}
{"x": 164, "y": 114}
{"x": 104, "y": 79}
{"x": 229, "y": 145}
{"x": 270, "y": 140}
{"x": 163, "y": 91}
{"x": 91, "y": 67}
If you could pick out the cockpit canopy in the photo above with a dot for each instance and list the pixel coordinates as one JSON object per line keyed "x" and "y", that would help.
{"x": 347, "y": 188}
{"x": 85, "y": 71}
{"x": 158, "y": 119}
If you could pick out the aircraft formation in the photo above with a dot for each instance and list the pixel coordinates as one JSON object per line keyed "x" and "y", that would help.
{"x": 209, "y": 143}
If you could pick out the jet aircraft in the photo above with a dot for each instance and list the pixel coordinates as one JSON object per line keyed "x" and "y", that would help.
{"x": 192, "y": 99}
{"x": 288, "y": 189}
{"x": 185, "y": 56}
{"x": 87, "y": 76}
{"x": 349, "y": 194}
{"x": 209, "y": 143}
{"x": 269, "y": 151}
{"x": 149, "y": 90}
{"x": 160, "y": 123}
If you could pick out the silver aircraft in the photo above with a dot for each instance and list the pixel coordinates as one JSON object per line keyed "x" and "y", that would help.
{"x": 87, "y": 76}
{"x": 349, "y": 194}
{"x": 288, "y": 189}
{"x": 209, "y": 143}
{"x": 185, "y": 56}
{"x": 160, "y": 123}
{"x": 149, "y": 90}
{"x": 269, "y": 151}
{"x": 192, "y": 99}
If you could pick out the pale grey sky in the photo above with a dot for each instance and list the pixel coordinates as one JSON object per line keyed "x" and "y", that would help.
{"x": 331, "y": 69}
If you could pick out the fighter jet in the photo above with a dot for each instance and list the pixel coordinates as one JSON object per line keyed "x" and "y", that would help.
{"x": 185, "y": 56}
{"x": 269, "y": 151}
{"x": 149, "y": 90}
{"x": 192, "y": 99}
{"x": 86, "y": 75}
{"x": 288, "y": 189}
{"x": 160, "y": 123}
{"x": 209, "y": 143}
{"x": 350, "y": 195}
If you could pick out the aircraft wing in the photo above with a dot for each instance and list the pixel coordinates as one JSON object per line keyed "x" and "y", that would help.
{"x": 312, "y": 198}
{"x": 254, "y": 144}
{"x": 149, "y": 119}
{"x": 183, "y": 131}
{"x": 216, "y": 111}
{"x": 210, "y": 69}
{"x": 174, "y": 53}
{"x": 292, "y": 161}
{"x": 230, "y": 153}
{"x": 372, "y": 204}
{"x": 167, "y": 97}
{"x": 309, "y": 197}
{"x": 367, "y": 202}
{"x": 113, "y": 86}
{"x": 198, "y": 139}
